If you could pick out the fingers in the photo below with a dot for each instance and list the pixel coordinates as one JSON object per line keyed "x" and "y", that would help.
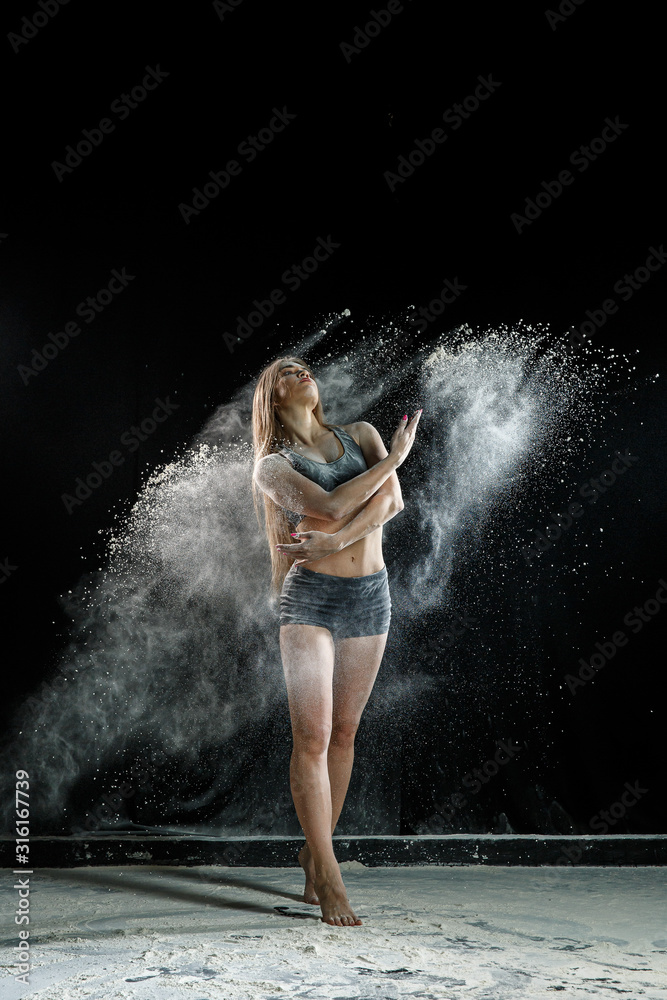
{"x": 415, "y": 417}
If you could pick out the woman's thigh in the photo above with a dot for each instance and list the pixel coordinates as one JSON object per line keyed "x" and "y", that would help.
{"x": 307, "y": 653}
{"x": 356, "y": 665}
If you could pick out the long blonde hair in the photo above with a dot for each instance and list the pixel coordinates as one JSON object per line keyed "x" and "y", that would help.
{"x": 267, "y": 438}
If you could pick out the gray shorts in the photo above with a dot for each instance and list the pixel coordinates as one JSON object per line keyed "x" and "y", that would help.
{"x": 349, "y": 606}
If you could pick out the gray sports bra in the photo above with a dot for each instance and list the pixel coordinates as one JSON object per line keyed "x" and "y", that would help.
{"x": 327, "y": 474}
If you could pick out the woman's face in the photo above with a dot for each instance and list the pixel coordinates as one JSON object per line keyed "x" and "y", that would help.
{"x": 295, "y": 383}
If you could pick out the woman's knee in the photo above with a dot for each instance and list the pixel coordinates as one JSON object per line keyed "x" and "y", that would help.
{"x": 343, "y": 734}
{"x": 312, "y": 739}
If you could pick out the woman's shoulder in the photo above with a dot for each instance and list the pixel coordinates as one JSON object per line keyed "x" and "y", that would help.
{"x": 270, "y": 463}
{"x": 271, "y": 456}
{"x": 358, "y": 430}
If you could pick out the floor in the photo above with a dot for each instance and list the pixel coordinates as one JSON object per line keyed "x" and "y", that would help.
{"x": 478, "y": 932}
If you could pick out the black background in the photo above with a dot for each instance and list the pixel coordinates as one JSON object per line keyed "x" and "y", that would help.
{"x": 322, "y": 176}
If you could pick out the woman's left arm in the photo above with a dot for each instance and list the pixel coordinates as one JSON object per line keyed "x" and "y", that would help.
{"x": 377, "y": 510}
{"x": 385, "y": 502}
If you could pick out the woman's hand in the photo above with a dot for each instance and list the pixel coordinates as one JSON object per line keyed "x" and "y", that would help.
{"x": 403, "y": 438}
{"x": 312, "y": 545}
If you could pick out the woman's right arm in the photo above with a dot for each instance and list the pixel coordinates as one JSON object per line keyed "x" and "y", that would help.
{"x": 288, "y": 488}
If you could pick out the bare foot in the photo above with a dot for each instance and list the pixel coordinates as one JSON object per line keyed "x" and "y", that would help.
{"x": 306, "y": 862}
{"x": 335, "y": 905}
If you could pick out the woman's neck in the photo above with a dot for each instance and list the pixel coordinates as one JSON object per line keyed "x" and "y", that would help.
{"x": 301, "y": 429}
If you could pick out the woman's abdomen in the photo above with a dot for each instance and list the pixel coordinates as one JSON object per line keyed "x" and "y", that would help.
{"x": 360, "y": 558}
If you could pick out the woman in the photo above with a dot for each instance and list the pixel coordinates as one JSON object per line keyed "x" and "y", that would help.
{"x": 337, "y": 485}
